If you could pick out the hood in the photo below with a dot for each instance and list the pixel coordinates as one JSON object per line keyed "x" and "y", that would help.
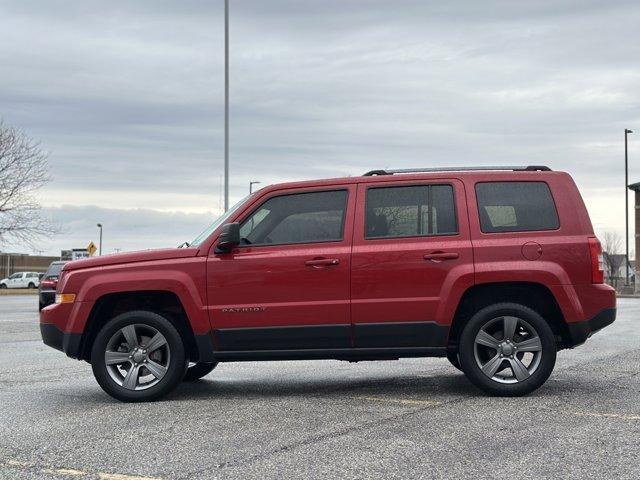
{"x": 131, "y": 257}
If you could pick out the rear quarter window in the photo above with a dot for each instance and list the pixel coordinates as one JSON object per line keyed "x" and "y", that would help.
{"x": 516, "y": 207}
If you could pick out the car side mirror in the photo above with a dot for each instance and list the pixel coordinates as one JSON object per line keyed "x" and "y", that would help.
{"x": 229, "y": 238}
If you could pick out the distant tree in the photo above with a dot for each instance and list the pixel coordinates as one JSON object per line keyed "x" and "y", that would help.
{"x": 611, "y": 246}
{"x": 23, "y": 171}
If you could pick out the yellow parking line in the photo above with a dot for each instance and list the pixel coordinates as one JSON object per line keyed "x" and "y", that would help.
{"x": 72, "y": 472}
{"x": 608, "y": 415}
{"x": 400, "y": 401}
{"x": 65, "y": 471}
{"x": 117, "y": 476}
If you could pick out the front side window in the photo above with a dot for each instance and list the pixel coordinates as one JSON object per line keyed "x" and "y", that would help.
{"x": 516, "y": 207}
{"x": 410, "y": 211}
{"x": 15, "y": 276}
{"x": 297, "y": 218}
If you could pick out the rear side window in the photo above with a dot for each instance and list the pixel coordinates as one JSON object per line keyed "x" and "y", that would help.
{"x": 297, "y": 218}
{"x": 410, "y": 211}
{"x": 516, "y": 207}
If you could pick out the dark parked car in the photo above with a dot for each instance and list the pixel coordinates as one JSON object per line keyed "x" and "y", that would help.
{"x": 48, "y": 284}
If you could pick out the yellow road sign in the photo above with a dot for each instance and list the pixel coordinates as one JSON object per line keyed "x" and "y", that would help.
{"x": 91, "y": 248}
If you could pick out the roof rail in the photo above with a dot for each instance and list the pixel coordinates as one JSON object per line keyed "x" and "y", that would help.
{"x": 523, "y": 168}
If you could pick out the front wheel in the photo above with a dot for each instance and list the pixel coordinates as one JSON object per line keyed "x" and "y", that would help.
{"x": 507, "y": 349}
{"x": 138, "y": 356}
{"x": 453, "y": 360}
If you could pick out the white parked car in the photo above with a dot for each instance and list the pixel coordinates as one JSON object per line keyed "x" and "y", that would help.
{"x": 21, "y": 280}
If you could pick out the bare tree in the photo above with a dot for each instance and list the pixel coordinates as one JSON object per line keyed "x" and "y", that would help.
{"x": 23, "y": 171}
{"x": 611, "y": 245}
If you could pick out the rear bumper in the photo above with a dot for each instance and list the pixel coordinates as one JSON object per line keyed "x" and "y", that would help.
{"x": 580, "y": 331}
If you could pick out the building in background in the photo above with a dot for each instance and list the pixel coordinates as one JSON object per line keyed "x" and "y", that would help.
{"x": 11, "y": 263}
{"x": 635, "y": 187}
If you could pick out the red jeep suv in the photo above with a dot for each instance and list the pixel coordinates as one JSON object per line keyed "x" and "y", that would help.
{"x": 495, "y": 268}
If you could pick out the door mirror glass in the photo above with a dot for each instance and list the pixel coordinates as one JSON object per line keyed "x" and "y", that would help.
{"x": 229, "y": 238}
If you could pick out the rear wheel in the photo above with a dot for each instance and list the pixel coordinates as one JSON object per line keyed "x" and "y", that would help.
{"x": 138, "y": 356}
{"x": 198, "y": 370}
{"x": 507, "y": 349}
{"x": 32, "y": 285}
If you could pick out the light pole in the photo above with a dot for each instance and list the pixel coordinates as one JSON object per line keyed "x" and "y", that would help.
{"x": 99, "y": 225}
{"x": 251, "y": 184}
{"x": 226, "y": 105}
{"x": 626, "y": 203}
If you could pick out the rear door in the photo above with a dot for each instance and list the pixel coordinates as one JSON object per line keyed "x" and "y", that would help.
{"x": 411, "y": 253}
{"x": 287, "y": 286}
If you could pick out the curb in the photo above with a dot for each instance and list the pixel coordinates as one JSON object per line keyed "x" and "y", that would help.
{"x": 18, "y": 291}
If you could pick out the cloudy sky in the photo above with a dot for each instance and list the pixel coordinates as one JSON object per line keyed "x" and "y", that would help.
{"x": 127, "y": 96}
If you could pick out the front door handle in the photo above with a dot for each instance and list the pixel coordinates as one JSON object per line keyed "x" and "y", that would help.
{"x": 322, "y": 262}
{"x": 439, "y": 256}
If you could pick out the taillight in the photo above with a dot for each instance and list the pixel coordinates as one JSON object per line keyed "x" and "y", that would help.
{"x": 50, "y": 283}
{"x": 597, "y": 260}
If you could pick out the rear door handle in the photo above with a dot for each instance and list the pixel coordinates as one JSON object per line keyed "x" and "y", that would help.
{"x": 322, "y": 262}
{"x": 439, "y": 256}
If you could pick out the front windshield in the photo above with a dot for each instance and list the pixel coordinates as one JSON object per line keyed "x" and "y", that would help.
{"x": 221, "y": 219}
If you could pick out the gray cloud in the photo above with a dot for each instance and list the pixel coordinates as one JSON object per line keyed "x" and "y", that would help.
{"x": 127, "y": 96}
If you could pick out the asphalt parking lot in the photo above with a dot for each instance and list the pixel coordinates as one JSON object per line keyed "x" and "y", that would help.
{"x": 414, "y": 418}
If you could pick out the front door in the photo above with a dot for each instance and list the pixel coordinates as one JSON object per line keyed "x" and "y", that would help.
{"x": 287, "y": 285}
{"x": 15, "y": 280}
{"x": 411, "y": 255}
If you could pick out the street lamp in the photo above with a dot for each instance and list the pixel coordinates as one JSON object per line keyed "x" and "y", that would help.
{"x": 626, "y": 202}
{"x": 226, "y": 105}
{"x": 99, "y": 225}
{"x": 251, "y": 184}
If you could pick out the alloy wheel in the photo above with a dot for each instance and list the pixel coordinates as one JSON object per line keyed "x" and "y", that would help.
{"x": 137, "y": 356}
{"x": 508, "y": 349}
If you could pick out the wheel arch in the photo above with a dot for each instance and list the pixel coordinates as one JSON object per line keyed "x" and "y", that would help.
{"x": 530, "y": 294}
{"x": 162, "y": 302}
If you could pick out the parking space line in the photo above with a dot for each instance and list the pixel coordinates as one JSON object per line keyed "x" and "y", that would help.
{"x": 608, "y": 415}
{"x": 71, "y": 472}
{"x": 117, "y": 476}
{"x": 400, "y": 401}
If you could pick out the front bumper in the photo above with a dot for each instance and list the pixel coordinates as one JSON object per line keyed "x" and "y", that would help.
{"x": 55, "y": 330}
{"x": 69, "y": 343}
{"x": 580, "y": 331}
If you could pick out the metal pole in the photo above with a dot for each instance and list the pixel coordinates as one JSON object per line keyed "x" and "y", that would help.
{"x": 626, "y": 204}
{"x": 100, "y": 242}
{"x": 226, "y": 105}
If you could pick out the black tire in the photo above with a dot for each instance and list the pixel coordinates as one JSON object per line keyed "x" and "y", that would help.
{"x": 199, "y": 370}
{"x": 453, "y": 360}
{"x": 472, "y": 369}
{"x": 31, "y": 286}
{"x": 2, "y": 285}
{"x": 175, "y": 369}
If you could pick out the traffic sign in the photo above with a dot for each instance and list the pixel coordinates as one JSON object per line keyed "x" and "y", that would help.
{"x": 91, "y": 248}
